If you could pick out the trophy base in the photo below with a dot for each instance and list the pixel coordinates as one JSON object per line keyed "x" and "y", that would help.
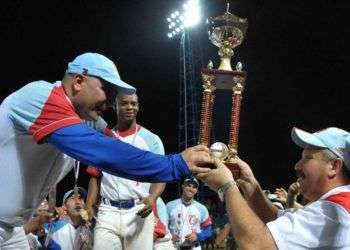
{"x": 223, "y": 78}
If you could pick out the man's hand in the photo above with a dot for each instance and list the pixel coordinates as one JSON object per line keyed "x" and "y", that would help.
{"x": 149, "y": 201}
{"x": 216, "y": 178}
{"x": 246, "y": 180}
{"x": 293, "y": 189}
{"x": 36, "y": 224}
{"x": 281, "y": 195}
{"x": 197, "y": 159}
{"x": 190, "y": 238}
{"x": 293, "y": 192}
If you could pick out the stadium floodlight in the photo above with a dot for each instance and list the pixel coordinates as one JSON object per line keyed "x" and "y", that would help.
{"x": 189, "y": 17}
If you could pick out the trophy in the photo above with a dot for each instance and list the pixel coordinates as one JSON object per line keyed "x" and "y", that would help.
{"x": 226, "y": 32}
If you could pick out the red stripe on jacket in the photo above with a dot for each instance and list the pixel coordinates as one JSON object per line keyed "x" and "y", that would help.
{"x": 206, "y": 223}
{"x": 343, "y": 199}
{"x": 56, "y": 113}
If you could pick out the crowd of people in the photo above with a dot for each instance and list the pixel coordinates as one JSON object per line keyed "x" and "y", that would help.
{"x": 47, "y": 129}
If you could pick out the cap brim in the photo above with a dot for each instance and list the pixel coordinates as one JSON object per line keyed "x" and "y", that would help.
{"x": 121, "y": 85}
{"x": 191, "y": 181}
{"x": 304, "y": 139}
{"x": 81, "y": 191}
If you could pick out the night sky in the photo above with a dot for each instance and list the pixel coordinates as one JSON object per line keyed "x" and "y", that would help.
{"x": 296, "y": 54}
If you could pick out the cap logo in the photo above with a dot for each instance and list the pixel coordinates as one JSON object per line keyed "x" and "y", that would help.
{"x": 85, "y": 72}
{"x": 340, "y": 150}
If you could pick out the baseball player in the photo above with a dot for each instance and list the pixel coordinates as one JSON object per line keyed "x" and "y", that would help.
{"x": 70, "y": 231}
{"x": 189, "y": 221}
{"x": 125, "y": 219}
{"x": 44, "y": 126}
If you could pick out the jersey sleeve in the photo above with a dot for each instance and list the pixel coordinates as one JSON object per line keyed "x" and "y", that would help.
{"x": 158, "y": 210}
{"x": 153, "y": 141}
{"x": 205, "y": 218}
{"x": 116, "y": 157}
{"x": 162, "y": 211}
{"x": 41, "y": 108}
{"x": 158, "y": 147}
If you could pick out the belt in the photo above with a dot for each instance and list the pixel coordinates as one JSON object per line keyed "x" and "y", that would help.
{"x": 189, "y": 247}
{"x": 121, "y": 204}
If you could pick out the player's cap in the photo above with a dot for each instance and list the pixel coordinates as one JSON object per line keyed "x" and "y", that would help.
{"x": 191, "y": 180}
{"x": 69, "y": 193}
{"x": 334, "y": 139}
{"x": 94, "y": 64}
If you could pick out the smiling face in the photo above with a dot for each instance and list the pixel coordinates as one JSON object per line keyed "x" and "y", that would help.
{"x": 314, "y": 172}
{"x": 127, "y": 108}
{"x": 90, "y": 96}
{"x": 189, "y": 190}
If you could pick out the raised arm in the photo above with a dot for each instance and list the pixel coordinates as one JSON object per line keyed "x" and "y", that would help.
{"x": 122, "y": 159}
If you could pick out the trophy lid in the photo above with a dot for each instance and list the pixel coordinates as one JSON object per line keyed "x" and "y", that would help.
{"x": 227, "y": 27}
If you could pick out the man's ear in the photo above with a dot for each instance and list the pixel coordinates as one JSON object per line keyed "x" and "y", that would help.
{"x": 336, "y": 167}
{"x": 77, "y": 83}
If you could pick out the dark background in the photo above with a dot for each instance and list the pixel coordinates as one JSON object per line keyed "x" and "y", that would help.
{"x": 296, "y": 54}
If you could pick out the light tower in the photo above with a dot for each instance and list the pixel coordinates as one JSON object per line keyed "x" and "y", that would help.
{"x": 182, "y": 24}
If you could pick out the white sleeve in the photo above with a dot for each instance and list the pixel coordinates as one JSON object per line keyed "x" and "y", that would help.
{"x": 310, "y": 227}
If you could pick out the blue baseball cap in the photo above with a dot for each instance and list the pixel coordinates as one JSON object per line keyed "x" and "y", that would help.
{"x": 69, "y": 193}
{"x": 191, "y": 180}
{"x": 95, "y": 64}
{"x": 334, "y": 139}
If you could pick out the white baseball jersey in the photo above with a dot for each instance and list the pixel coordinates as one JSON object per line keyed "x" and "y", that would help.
{"x": 28, "y": 167}
{"x": 118, "y": 188}
{"x": 187, "y": 218}
{"x": 64, "y": 236}
{"x": 323, "y": 224}
{"x": 123, "y": 228}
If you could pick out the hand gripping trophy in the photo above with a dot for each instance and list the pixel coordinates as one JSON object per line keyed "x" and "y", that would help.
{"x": 226, "y": 32}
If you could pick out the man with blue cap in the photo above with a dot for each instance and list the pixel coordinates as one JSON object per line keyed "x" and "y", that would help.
{"x": 45, "y": 126}
{"x": 71, "y": 231}
{"x": 324, "y": 179}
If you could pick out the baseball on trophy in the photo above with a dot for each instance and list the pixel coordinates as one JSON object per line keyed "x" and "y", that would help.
{"x": 219, "y": 150}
